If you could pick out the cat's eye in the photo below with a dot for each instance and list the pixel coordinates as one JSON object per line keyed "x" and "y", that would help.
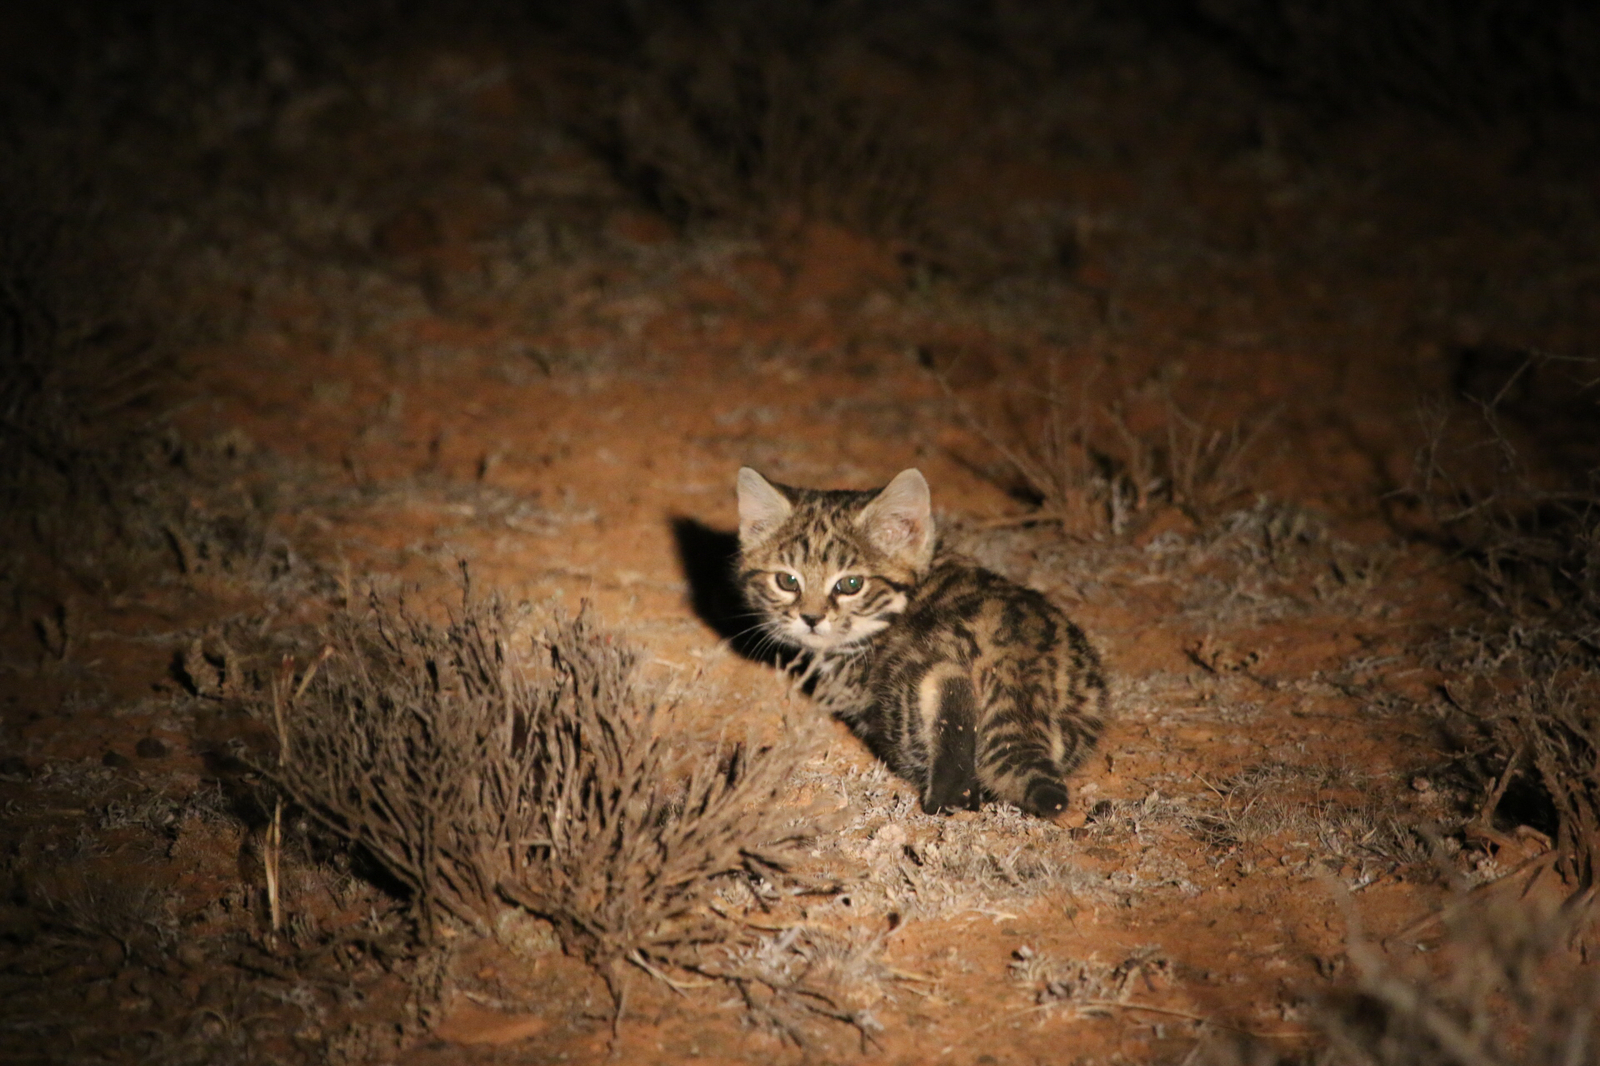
{"x": 848, "y": 586}
{"x": 786, "y": 582}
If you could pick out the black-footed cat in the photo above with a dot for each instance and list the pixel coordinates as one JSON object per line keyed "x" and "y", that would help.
{"x": 968, "y": 685}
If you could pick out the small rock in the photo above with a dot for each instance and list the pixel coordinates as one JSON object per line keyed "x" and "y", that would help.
{"x": 14, "y": 766}
{"x": 151, "y": 748}
{"x": 115, "y": 760}
{"x": 1421, "y": 784}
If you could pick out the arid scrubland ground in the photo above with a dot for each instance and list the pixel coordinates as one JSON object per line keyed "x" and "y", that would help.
{"x": 374, "y": 386}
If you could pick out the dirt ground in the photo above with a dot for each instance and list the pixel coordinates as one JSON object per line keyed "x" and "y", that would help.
{"x": 455, "y": 334}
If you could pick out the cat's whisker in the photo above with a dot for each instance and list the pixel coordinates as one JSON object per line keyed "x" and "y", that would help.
{"x": 769, "y": 641}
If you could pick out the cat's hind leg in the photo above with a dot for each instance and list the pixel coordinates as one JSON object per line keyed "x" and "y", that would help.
{"x": 950, "y": 707}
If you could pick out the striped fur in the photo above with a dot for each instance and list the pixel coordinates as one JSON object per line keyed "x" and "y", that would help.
{"x": 968, "y": 685}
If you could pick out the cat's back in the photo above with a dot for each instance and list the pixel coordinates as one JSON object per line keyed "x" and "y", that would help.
{"x": 993, "y": 626}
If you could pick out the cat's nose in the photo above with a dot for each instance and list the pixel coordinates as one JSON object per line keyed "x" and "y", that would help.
{"x": 811, "y": 619}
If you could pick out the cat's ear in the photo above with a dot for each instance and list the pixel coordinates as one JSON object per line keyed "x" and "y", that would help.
{"x": 761, "y": 507}
{"x": 899, "y": 520}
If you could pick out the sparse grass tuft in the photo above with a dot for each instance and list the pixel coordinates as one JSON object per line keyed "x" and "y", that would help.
{"x": 888, "y": 858}
{"x": 1087, "y": 988}
{"x": 1298, "y": 815}
{"x": 790, "y": 974}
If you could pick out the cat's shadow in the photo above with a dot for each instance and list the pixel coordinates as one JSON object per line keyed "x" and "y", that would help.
{"x": 709, "y": 558}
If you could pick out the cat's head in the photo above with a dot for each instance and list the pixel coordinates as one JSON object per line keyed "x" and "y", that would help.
{"x": 827, "y": 569}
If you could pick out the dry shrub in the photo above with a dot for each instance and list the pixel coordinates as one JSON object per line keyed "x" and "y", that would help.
{"x": 98, "y": 295}
{"x": 1527, "y": 687}
{"x": 1526, "y": 704}
{"x": 1479, "y": 60}
{"x": 1507, "y": 985}
{"x": 722, "y": 116}
{"x": 78, "y": 384}
{"x": 483, "y": 777}
{"x": 1101, "y": 461}
{"x": 1532, "y": 532}
{"x": 1553, "y": 728}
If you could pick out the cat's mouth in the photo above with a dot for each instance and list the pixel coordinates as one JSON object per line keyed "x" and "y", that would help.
{"x": 820, "y": 635}
{"x": 823, "y": 637}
